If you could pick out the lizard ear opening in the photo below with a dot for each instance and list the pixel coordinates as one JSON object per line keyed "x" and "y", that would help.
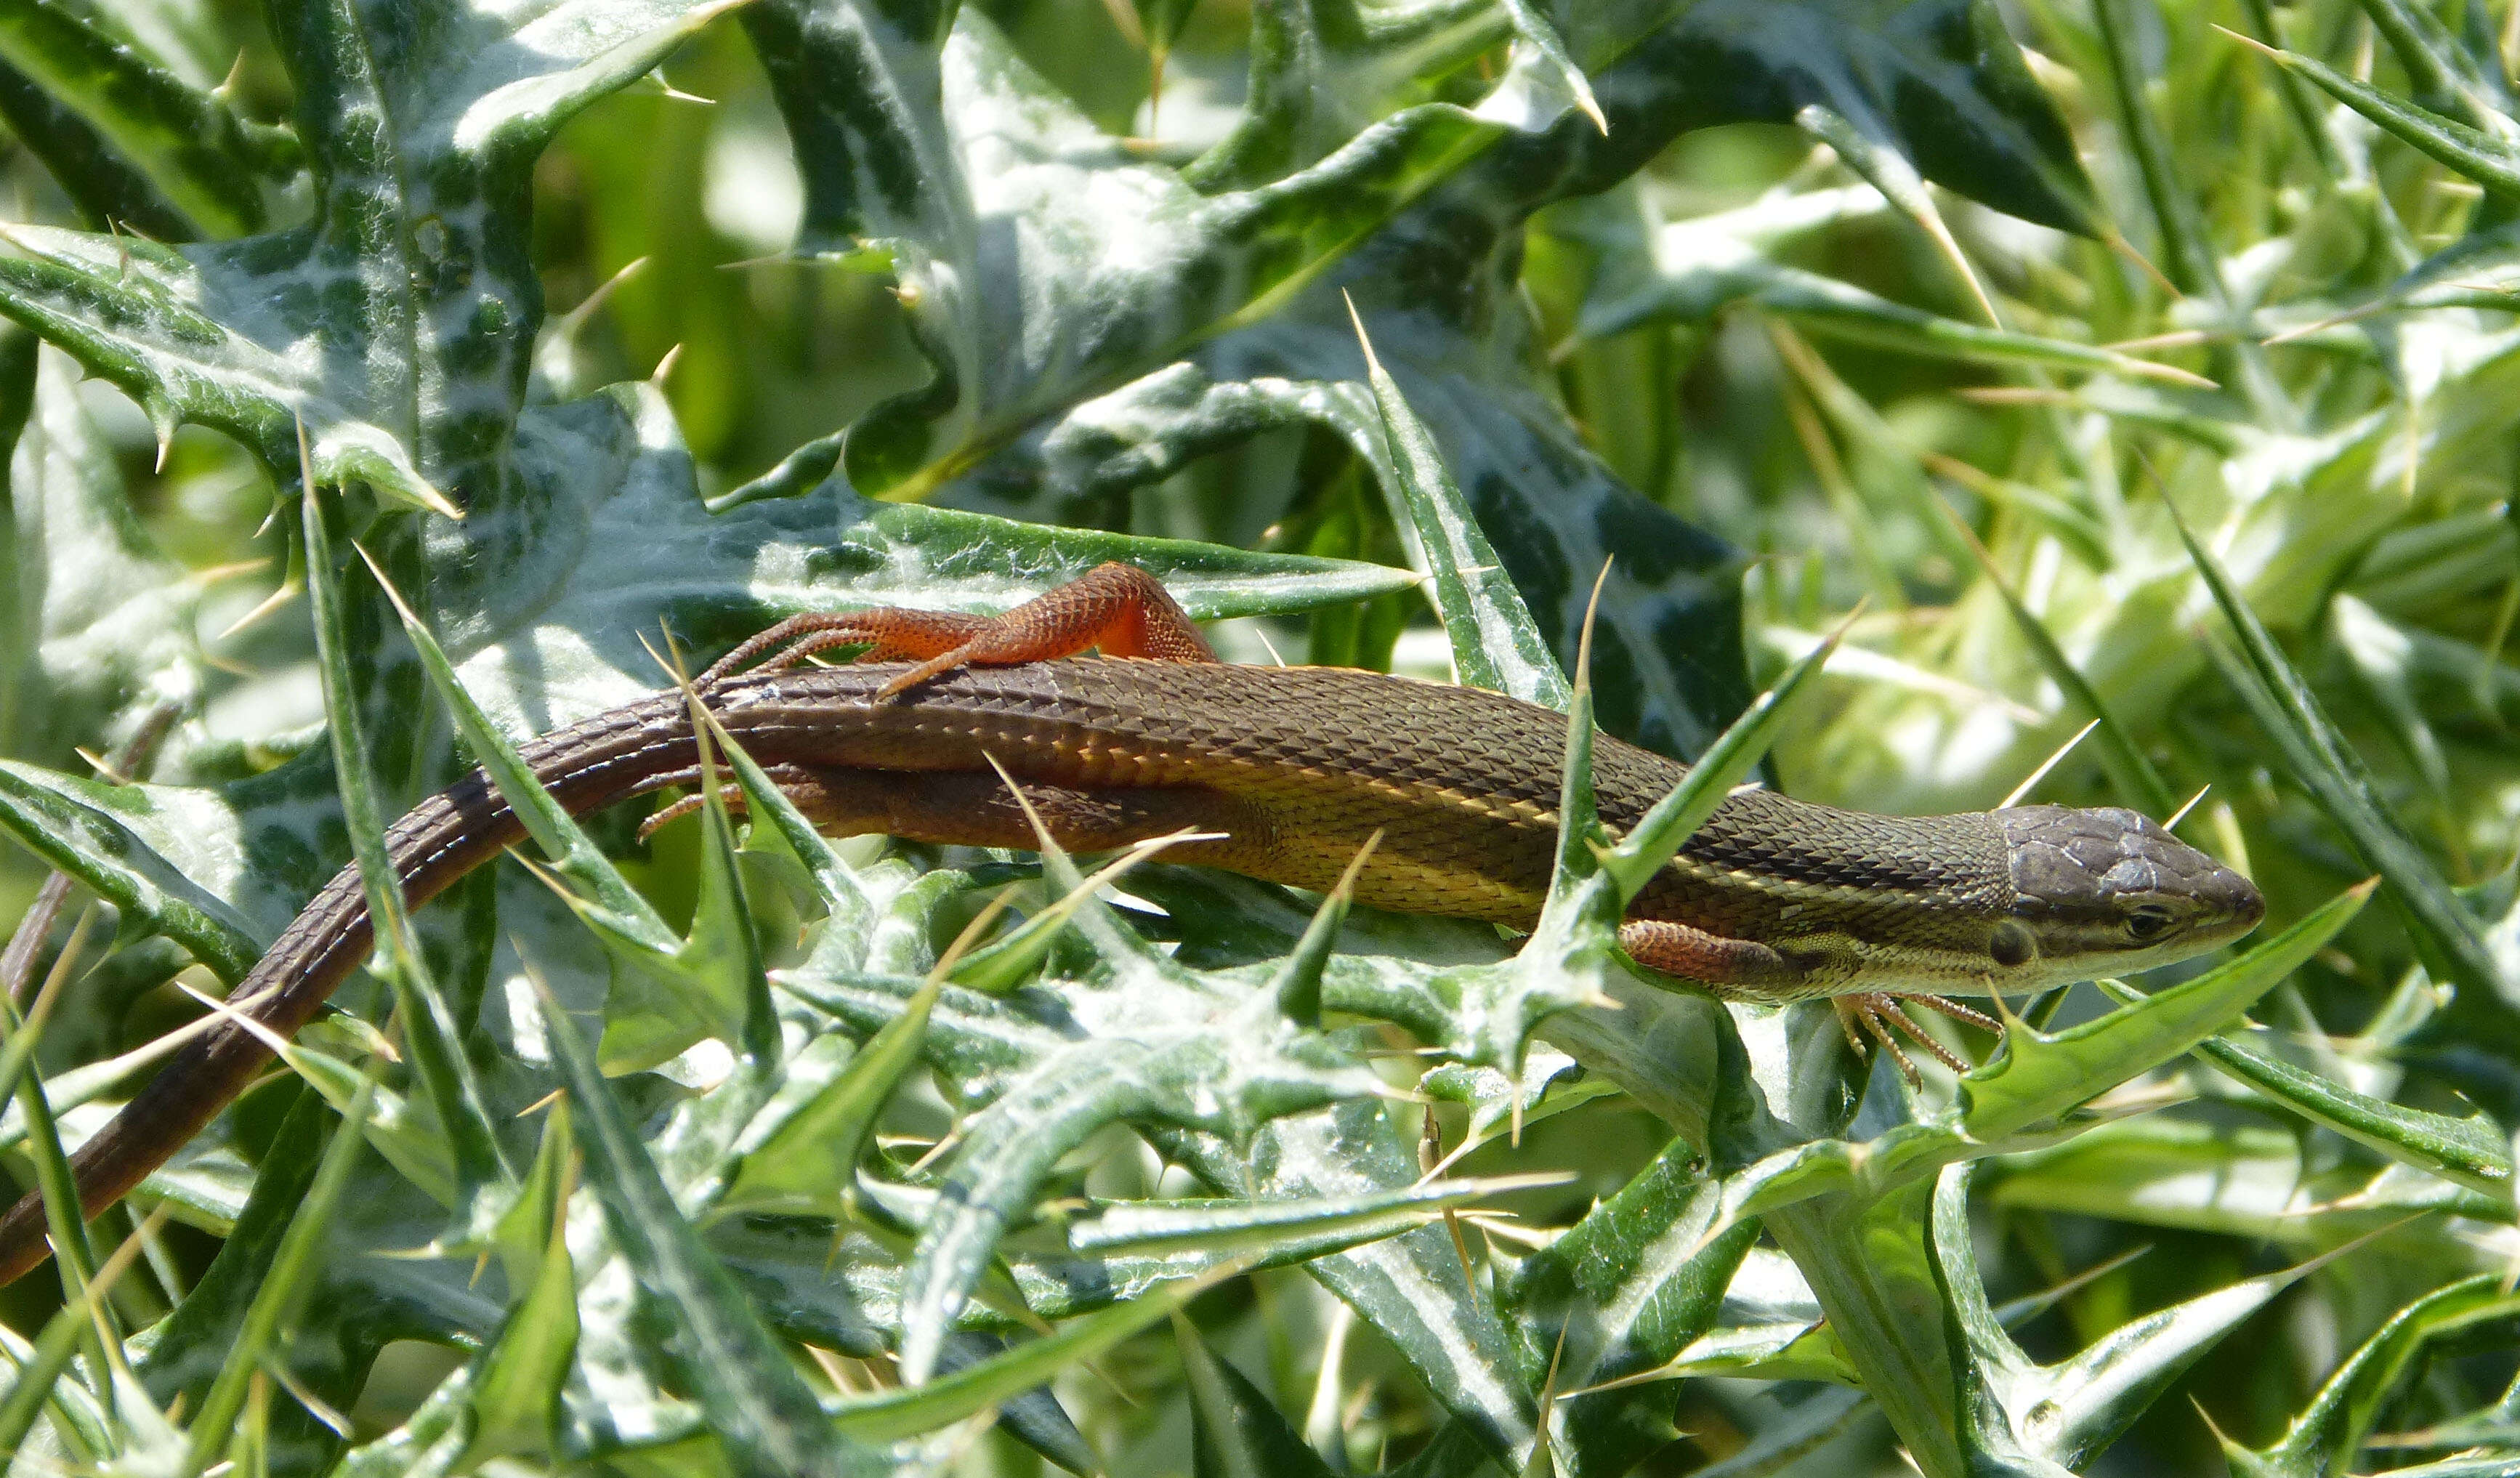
{"x": 2010, "y": 945}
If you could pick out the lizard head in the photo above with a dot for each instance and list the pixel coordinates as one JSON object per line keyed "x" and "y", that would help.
{"x": 2111, "y": 892}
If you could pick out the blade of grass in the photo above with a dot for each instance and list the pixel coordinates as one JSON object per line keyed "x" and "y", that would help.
{"x": 293, "y": 1269}
{"x": 947, "y": 1398}
{"x": 2478, "y": 155}
{"x": 65, "y": 1218}
{"x": 2328, "y": 767}
{"x": 430, "y": 1033}
{"x": 2128, "y": 771}
{"x": 63, "y": 1333}
{"x": 748, "y": 1386}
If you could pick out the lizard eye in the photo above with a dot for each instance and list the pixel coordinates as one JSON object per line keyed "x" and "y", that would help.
{"x": 2148, "y": 923}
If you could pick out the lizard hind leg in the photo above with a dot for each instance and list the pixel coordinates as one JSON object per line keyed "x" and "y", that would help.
{"x": 788, "y": 778}
{"x": 1117, "y": 607}
{"x": 890, "y": 634}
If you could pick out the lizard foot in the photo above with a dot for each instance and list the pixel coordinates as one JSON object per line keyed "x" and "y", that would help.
{"x": 1880, "y": 1016}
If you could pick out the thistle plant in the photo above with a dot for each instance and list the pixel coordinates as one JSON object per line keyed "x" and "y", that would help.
{"x": 1912, "y": 404}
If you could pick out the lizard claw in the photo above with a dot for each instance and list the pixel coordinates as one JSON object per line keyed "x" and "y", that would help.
{"x": 1880, "y": 1016}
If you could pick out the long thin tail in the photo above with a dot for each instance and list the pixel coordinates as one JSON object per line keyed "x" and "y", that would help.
{"x": 605, "y": 759}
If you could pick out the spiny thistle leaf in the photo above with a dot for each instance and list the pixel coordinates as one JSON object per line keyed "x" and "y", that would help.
{"x": 753, "y": 1398}
{"x": 1029, "y": 286}
{"x": 2050, "y": 1418}
{"x": 2340, "y": 1416}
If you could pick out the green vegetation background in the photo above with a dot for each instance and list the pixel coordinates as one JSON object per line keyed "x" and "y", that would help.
{"x": 1765, "y": 364}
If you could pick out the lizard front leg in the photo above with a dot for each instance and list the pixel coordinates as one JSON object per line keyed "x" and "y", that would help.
{"x": 1746, "y": 970}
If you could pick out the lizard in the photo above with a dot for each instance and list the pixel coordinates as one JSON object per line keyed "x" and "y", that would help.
{"x": 1283, "y": 773}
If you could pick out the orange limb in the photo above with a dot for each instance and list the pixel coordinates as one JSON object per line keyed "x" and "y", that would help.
{"x": 1746, "y": 970}
{"x": 1116, "y": 607}
{"x": 1732, "y": 966}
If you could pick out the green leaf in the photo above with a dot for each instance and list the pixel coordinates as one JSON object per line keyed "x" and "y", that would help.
{"x": 154, "y": 321}
{"x": 988, "y": 132}
{"x": 1938, "y": 78}
{"x": 755, "y": 1401}
{"x": 524, "y": 1234}
{"x": 2473, "y": 88}
{"x": 2326, "y": 766}
{"x": 2165, "y": 1171}
{"x": 104, "y": 185}
{"x": 515, "y": 1391}
{"x": 2329, "y": 1431}
{"x": 1297, "y": 985}
{"x": 1235, "y": 1432}
{"x": 435, "y": 211}
{"x": 1940, "y": 82}
{"x": 1869, "y": 1266}
{"x": 1412, "y": 1287}
{"x": 127, "y": 138}
{"x": 712, "y": 984}
{"x": 1698, "y": 268}
{"x": 1551, "y": 1084}
{"x": 2027, "y": 1095}
{"x": 162, "y": 856}
{"x": 2056, "y": 1417}
{"x": 1846, "y": 1212}
{"x": 1494, "y": 644}
{"x": 2471, "y": 1152}
{"x": 99, "y": 621}
{"x": 1225, "y": 1077}
{"x": 843, "y": 1292}
{"x": 1239, "y": 1229}
{"x": 410, "y": 1140}
{"x": 2490, "y": 160}
{"x": 977, "y": 1387}
{"x": 1543, "y": 31}
{"x": 811, "y": 1160}
{"x": 1624, "y": 1290}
